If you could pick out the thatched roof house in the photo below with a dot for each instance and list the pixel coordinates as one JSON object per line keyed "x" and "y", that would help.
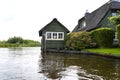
{"x": 99, "y": 17}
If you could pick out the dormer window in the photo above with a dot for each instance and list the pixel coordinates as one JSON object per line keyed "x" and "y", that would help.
{"x": 114, "y": 14}
{"x": 83, "y": 24}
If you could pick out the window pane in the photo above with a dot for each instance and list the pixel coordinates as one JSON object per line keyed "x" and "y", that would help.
{"x": 114, "y": 14}
{"x": 54, "y": 35}
{"x": 60, "y": 35}
{"x": 48, "y": 35}
{"x": 83, "y": 24}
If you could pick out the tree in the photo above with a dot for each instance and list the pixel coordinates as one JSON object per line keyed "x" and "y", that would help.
{"x": 15, "y": 40}
{"x": 115, "y": 19}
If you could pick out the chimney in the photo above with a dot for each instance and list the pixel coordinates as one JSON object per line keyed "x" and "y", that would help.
{"x": 87, "y": 13}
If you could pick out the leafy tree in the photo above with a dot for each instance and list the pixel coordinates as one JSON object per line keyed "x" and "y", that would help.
{"x": 115, "y": 19}
{"x": 15, "y": 40}
{"x": 118, "y": 33}
{"x": 19, "y": 42}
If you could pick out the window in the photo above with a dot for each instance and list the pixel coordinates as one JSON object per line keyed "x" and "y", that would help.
{"x": 114, "y": 14}
{"x": 60, "y": 35}
{"x": 49, "y": 35}
{"x": 54, "y": 36}
{"x": 83, "y": 24}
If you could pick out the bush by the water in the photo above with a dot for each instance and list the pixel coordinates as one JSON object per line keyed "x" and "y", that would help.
{"x": 19, "y": 42}
{"x": 103, "y": 37}
{"x": 118, "y": 33}
{"x": 78, "y": 41}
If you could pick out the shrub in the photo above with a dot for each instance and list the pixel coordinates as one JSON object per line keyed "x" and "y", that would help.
{"x": 68, "y": 40}
{"x": 78, "y": 41}
{"x": 118, "y": 33}
{"x": 103, "y": 37}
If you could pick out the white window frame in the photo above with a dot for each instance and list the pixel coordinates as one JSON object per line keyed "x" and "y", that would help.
{"x": 53, "y": 37}
{"x": 48, "y": 35}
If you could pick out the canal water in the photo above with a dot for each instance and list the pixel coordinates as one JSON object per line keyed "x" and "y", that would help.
{"x": 30, "y": 64}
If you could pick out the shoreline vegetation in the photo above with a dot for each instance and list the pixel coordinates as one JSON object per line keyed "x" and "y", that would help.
{"x": 105, "y": 51}
{"x": 19, "y": 42}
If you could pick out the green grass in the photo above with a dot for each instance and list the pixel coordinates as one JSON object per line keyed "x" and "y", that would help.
{"x": 111, "y": 51}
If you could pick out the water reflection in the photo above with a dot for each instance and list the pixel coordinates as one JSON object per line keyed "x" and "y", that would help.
{"x": 75, "y": 67}
{"x": 30, "y": 64}
{"x": 52, "y": 65}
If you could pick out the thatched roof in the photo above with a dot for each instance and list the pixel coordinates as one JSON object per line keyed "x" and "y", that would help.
{"x": 94, "y": 18}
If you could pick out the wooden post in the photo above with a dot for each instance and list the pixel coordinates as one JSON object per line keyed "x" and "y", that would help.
{"x": 45, "y": 43}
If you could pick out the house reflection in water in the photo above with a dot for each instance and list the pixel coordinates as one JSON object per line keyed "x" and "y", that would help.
{"x": 63, "y": 66}
{"x": 52, "y": 64}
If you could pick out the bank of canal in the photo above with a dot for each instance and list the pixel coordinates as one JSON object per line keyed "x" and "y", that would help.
{"x": 30, "y": 64}
{"x": 108, "y": 52}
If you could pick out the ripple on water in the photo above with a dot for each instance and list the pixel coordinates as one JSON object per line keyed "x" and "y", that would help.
{"x": 76, "y": 73}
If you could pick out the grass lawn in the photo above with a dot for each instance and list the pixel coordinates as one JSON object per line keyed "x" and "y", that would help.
{"x": 110, "y": 51}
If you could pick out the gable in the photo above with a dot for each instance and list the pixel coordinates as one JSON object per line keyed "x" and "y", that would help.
{"x": 53, "y": 26}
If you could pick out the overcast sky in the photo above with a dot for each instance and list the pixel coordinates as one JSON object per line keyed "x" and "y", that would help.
{"x": 26, "y": 17}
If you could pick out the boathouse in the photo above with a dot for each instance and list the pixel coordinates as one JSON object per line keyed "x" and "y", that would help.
{"x": 53, "y": 35}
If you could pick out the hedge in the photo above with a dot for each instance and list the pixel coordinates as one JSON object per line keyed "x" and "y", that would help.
{"x": 118, "y": 33}
{"x": 94, "y": 37}
{"x": 103, "y": 37}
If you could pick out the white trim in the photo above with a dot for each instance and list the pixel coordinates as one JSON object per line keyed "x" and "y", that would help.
{"x": 57, "y": 36}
